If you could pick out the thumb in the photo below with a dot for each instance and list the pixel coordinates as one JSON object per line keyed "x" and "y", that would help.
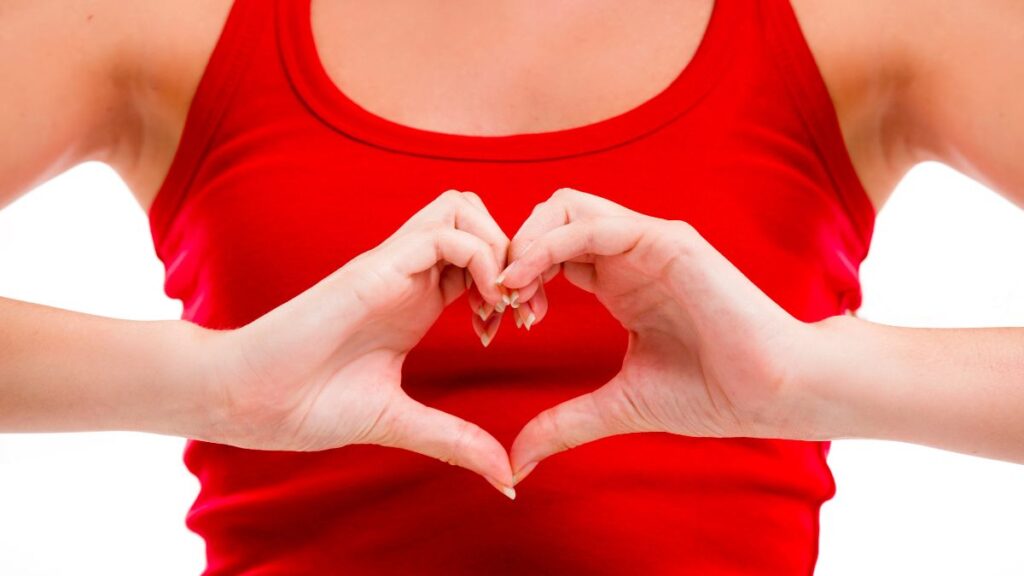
{"x": 413, "y": 426}
{"x": 604, "y": 412}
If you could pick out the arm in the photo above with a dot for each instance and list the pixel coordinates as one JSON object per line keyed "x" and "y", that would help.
{"x": 958, "y": 389}
{"x": 320, "y": 371}
{"x": 962, "y": 89}
{"x": 62, "y": 102}
{"x": 67, "y": 371}
{"x": 721, "y": 359}
{"x": 711, "y": 355}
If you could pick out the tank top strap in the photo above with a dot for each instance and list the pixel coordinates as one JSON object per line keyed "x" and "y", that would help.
{"x": 798, "y": 70}
{"x": 227, "y": 63}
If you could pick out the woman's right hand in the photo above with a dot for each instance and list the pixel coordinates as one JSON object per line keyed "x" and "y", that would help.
{"x": 323, "y": 370}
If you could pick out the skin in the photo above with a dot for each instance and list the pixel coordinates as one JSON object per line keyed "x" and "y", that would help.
{"x": 111, "y": 80}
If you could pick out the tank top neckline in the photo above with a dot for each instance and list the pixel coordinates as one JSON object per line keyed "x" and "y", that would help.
{"x": 330, "y": 104}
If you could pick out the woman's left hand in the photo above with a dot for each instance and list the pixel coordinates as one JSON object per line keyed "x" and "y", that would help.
{"x": 709, "y": 353}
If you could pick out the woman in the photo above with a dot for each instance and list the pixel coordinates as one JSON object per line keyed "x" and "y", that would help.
{"x": 323, "y": 179}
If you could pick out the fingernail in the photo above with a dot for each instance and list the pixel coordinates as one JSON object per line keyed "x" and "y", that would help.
{"x": 523, "y": 472}
{"x": 484, "y": 311}
{"x": 501, "y": 277}
{"x": 508, "y": 491}
{"x": 530, "y": 320}
{"x": 500, "y": 307}
{"x": 514, "y": 299}
{"x": 519, "y": 319}
{"x": 490, "y": 329}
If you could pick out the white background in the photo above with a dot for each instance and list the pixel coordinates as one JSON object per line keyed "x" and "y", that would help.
{"x": 946, "y": 252}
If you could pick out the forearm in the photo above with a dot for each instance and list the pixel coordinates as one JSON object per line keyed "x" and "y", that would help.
{"x": 951, "y": 388}
{"x": 68, "y": 371}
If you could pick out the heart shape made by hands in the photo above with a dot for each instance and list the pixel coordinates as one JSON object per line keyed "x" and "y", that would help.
{"x": 708, "y": 351}
{"x": 709, "y": 354}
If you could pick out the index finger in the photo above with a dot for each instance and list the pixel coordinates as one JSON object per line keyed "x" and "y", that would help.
{"x": 565, "y": 205}
{"x": 604, "y": 236}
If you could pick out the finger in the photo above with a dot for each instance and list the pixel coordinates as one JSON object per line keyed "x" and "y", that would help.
{"x": 489, "y": 230}
{"x": 551, "y": 272}
{"x": 518, "y": 296}
{"x": 546, "y": 216}
{"x": 521, "y": 295}
{"x": 539, "y": 304}
{"x": 480, "y": 307}
{"x": 440, "y": 209}
{"x": 565, "y": 205}
{"x": 536, "y": 297}
{"x": 452, "y": 282}
{"x": 536, "y": 301}
{"x": 429, "y": 214}
{"x": 479, "y": 223}
{"x": 530, "y": 312}
{"x": 418, "y": 252}
{"x": 581, "y": 274}
{"x": 575, "y": 422}
{"x": 487, "y": 327}
{"x": 413, "y": 426}
{"x": 604, "y": 236}
{"x": 483, "y": 320}
{"x": 474, "y": 218}
{"x": 464, "y": 211}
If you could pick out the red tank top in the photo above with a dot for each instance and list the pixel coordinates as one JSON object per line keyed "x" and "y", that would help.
{"x": 279, "y": 179}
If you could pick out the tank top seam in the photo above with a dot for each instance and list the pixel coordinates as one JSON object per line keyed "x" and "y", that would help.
{"x": 217, "y": 87}
{"x": 800, "y": 74}
{"x": 324, "y": 100}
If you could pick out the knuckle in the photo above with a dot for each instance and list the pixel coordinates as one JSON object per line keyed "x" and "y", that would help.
{"x": 565, "y": 193}
{"x": 472, "y": 196}
{"x": 681, "y": 227}
{"x": 450, "y": 200}
{"x": 682, "y": 234}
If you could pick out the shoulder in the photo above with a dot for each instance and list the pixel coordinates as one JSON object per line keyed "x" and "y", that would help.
{"x": 164, "y": 51}
{"x": 96, "y": 80}
{"x": 945, "y": 78}
{"x": 856, "y": 44}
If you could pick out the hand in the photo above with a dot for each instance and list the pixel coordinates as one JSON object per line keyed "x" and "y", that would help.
{"x": 709, "y": 353}
{"x": 323, "y": 370}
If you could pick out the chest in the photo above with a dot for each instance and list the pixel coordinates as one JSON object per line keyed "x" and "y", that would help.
{"x": 508, "y": 66}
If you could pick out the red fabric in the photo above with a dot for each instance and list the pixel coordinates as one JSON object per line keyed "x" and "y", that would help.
{"x": 280, "y": 179}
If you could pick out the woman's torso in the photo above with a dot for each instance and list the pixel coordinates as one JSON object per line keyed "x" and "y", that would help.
{"x": 289, "y": 179}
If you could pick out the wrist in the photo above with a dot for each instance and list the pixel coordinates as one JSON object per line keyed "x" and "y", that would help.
{"x": 199, "y": 409}
{"x": 223, "y": 410}
{"x": 829, "y": 362}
